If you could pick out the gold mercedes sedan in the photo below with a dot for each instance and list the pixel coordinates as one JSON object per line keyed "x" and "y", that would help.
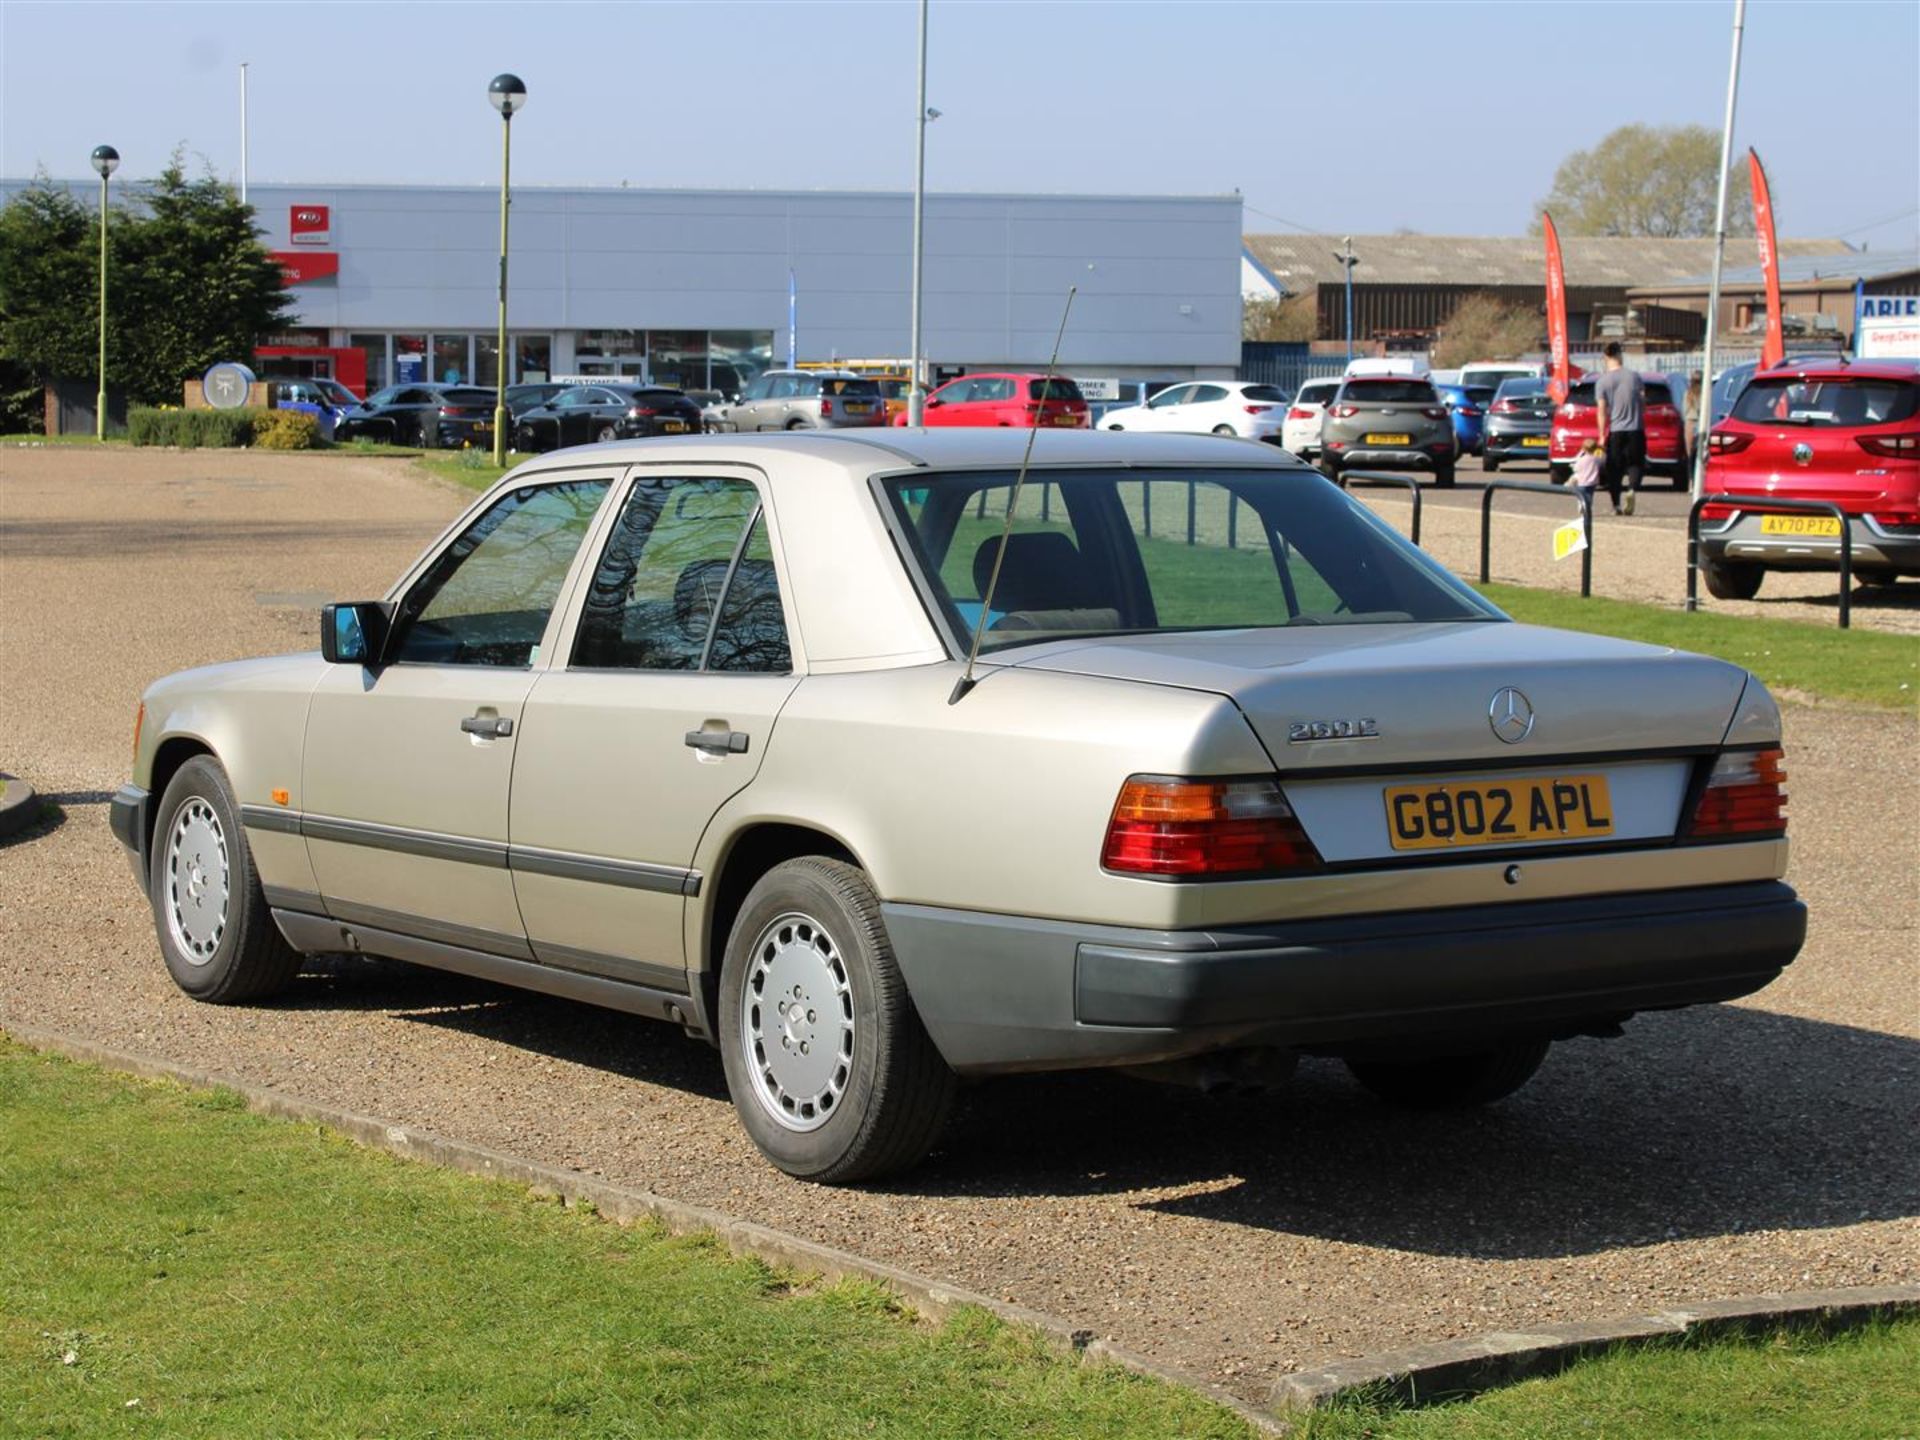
{"x": 886, "y": 761}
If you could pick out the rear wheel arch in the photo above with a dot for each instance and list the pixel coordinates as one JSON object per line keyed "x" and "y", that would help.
{"x": 748, "y": 856}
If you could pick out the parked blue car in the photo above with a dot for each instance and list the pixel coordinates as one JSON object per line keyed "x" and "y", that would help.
{"x": 326, "y": 400}
{"x": 1467, "y": 404}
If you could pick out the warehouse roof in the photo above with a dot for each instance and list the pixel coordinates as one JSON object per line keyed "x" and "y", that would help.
{"x": 1833, "y": 271}
{"x": 1297, "y": 262}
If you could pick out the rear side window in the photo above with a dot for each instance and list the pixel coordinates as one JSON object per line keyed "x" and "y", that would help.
{"x": 1390, "y": 392}
{"x": 1319, "y": 394}
{"x": 1827, "y": 403}
{"x": 1055, "y": 388}
{"x": 1272, "y": 394}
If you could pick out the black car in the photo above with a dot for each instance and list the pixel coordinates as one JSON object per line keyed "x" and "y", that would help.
{"x": 585, "y": 413}
{"x": 1519, "y": 423}
{"x": 430, "y": 416}
{"x": 522, "y": 398}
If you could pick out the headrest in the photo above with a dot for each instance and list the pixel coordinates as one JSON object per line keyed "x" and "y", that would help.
{"x": 1042, "y": 571}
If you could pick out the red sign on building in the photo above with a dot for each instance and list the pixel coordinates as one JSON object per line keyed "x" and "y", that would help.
{"x": 300, "y": 268}
{"x": 310, "y": 224}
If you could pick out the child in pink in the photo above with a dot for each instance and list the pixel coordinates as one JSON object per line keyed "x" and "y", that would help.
{"x": 1586, "y": 466}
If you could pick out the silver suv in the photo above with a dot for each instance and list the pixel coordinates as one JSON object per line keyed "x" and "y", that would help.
{"x": 804, "y": 400}
{"x": 1388, "y": 421}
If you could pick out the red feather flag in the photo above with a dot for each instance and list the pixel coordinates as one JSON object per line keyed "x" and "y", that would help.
{"x": 1556, "y": 313}
{"x": 1774, "y": 348}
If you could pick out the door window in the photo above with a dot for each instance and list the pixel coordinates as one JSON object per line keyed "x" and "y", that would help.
{"x": 1175, "y": 396}
{"x": 486, "y": 599}
{"x": 675, "y": 563}
{"x": 1208, "y": 394}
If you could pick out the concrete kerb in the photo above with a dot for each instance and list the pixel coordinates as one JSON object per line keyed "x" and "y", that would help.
{"x": 19, "y": 805}
{"x": 1460, "y": 1368}
{"x": 933, "y": 1299}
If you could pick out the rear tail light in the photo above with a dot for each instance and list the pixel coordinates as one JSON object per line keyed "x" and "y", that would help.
{"x": 1174, "y": 827}
{"x": 1468, "y": 410}
{"x": 1258, "y": 409}
{"x": 1345, "y": 412}
{"x": 1721, "y": 443}
{"x": 1905, "y": 518}
{"x": 639, "y": 412}
{"x": 1744, "y": 798}
{"x": 1296, "y": 413}
{"x": 1505, "y": 407}
{"x": 826, "y": 406}
{"x": 1895, "y": 447}
{"x": 1433, "y": 412}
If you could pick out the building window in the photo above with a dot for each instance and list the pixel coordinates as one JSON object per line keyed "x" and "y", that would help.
{"x": 678, "y": 357}
{"x": 410, "y": 360}
{"x": 736, "y": 357}
{"x": 452, "y": 365}
{"x": 374, "y": 347}
{"x": 532, "y": 357}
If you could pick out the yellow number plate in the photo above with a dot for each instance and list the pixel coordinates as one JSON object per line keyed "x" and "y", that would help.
{"x": 1800, "y": 525}
{"x": 1498, "y": 812}
{"x": 1532, "y": 440}
{"x": 673, "y": 426}
{"x": 1389, "y": 439}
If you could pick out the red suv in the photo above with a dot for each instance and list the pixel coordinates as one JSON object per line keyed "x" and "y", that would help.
{"x": 1578, "y": 421}
{"x": 1021, "y": 400}
{"x": 1849, "y": 433}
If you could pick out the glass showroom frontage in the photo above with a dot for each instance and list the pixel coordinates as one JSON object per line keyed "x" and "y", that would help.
{"x": 724, "y": 360}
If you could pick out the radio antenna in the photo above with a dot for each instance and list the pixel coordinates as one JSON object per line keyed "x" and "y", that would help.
{"x": 966, "y": 681}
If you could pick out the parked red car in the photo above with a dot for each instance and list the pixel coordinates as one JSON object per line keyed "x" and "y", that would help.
{"x": 1005, "y": 399}
{"x": 1848, "y": 433}
{"x": 1578, "y": 421}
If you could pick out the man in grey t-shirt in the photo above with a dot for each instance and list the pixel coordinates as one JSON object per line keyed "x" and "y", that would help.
{"x": 1620, "y": 399}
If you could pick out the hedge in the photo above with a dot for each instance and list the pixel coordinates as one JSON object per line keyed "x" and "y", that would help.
{"x": 196, "y": 429}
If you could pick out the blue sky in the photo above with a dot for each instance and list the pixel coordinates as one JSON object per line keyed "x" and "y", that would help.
{"x": 1337, "y": 115}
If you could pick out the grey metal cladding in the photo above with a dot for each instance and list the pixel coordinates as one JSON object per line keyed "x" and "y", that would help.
{"x": 270, "y": 817}
{"x": 631, "y": 874}
{"x": 407, "y": 842}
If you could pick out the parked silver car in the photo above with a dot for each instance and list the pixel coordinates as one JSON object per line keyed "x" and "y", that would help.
{"x": 1388, "y": 422}
{"x": 803, "y": 400}
{"x": 685, "y": 727}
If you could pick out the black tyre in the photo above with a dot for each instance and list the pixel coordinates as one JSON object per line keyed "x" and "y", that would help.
{"x": 1559, "y": 473}
{"x": 798, "y": 425}
{"x": 605, "y": 434}
{"x": 1443, "y": 475}
{"x": 216, "y": 935}
{"x": 828, "y": 1064}
{"x": 1730, "y": 580}
{"x": 1451, "y": 1082}
{"x": 1330, "y": 468}
{"x": 1226, "y": 430}
{"x": 1490, "y": 463}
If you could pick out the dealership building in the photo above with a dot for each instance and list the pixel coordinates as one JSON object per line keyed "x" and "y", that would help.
{"x": 697, "y": 287}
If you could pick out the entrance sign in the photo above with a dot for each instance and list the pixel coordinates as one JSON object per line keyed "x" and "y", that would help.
{"x": 226, "y": 386}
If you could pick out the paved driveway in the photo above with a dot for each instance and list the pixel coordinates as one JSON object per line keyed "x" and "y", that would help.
{"x": 1767, "y": 1145}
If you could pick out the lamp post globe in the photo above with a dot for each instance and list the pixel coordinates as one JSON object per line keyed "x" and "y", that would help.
{"x": 508, "y": 95}
{"x": 106, "y": 160}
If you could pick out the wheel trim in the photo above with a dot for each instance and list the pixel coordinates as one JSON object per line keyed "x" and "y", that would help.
{"x": 199, "y": 881}
{"x": 796, "y": 1022}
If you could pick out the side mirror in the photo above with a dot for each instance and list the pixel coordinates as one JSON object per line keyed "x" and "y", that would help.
{"x": 933, "y": 402}
{"x": 354, "y": 634}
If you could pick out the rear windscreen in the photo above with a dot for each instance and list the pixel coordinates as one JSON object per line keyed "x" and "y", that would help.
{"x": 1390, "y": 392}
{"x": 466, "y": 397}
{"x": 858, "y": 389}
{"x": 1272, "y": 394}
{"x": 1053, "y": 389}
{"x": 1479, "y": 394}
{"x": 1828, "y": 402}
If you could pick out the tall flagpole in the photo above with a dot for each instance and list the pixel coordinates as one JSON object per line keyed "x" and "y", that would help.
{"x": 1704, "y": 425}
{"x": 243, "y": 132}
{"x": 916, "y": 391}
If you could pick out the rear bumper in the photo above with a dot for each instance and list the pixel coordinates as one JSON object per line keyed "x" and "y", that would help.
{"x": 1392, "y": 459}
{"x": 1738, "y": 540}
{"x": 127, "y": 818}
{"x": 1002, "y": 993}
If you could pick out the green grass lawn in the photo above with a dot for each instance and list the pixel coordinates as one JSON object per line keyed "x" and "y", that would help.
{"x": 1859, "y": 1385}
{"x": 472, "y": 468}
{"x": 173, "y": 1265}
{"x": 1855, "y": 666}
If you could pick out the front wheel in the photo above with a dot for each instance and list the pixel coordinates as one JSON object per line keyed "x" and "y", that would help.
{"x": 216, "y": 933}
{"x": 829, "y": 1067}
{"x": 1732, "y": 581}
{"x": 1443, "y": 475}
{"x": 1490, "y": 463}
{"x": 605, "y": 435}
{"x": 1451, "y": 1082}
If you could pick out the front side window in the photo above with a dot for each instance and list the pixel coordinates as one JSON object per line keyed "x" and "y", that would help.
{"x": 486, "y": 599}
{"x": 1208, "y": 394}
{"x": 1115, "y": 552}
{"x": 1176, "y": 396}
{"x": 683, "y": 585}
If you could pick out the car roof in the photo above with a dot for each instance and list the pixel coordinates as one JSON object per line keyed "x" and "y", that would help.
{"x": 1825, "y": 369}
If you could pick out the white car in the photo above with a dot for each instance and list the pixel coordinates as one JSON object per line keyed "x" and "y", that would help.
{"x": 1208, "y": 407}
{"x": 1300, "y": 432}
{"x": 1492, "y": 372}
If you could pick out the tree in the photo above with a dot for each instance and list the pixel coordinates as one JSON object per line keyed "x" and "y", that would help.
{"x": 1482, "y": 328}
{"x": 1280, "y": 317}
{"x": 188, "y": 284}
{"x": 1654, "y": 180}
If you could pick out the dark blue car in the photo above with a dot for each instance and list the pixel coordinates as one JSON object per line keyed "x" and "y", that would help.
{"x": 1467, "y": 404}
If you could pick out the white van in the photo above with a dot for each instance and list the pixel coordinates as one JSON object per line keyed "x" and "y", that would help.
{"x": 1491, "y": 372}
{"x": 1413, "y": 367}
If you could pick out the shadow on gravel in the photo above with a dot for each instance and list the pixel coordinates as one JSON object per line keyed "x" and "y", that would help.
{"x": 1718, "y": 1121}
{"x": 618, "y": 1044}
{"x": 104, "y": 539}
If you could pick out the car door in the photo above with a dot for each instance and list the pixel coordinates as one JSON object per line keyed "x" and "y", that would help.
{"x": 405, "y": 767}
{"x": 676, "y": 665}
{"x": 1162, "y": 412}
{"x": 951, "y": 400}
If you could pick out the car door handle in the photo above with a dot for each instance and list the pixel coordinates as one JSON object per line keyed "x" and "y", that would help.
{"x": 718, "y": 742}
{"x": 488, "y": 727}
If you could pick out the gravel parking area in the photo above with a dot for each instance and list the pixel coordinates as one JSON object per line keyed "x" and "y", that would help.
{"x": 1715, "y": 1152}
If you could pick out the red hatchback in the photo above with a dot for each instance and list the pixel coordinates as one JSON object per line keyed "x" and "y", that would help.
{"x": 1846, "y": 433}
{"x": 1578, "y": 421}
{"x": 1000, "y": 399}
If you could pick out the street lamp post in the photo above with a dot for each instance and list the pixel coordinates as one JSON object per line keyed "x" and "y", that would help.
{"x": 508, "y": 96}
{"x": 916, "y": 391}
{"x": 1347, "y": 261}
{"x": 106, "y": 160}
